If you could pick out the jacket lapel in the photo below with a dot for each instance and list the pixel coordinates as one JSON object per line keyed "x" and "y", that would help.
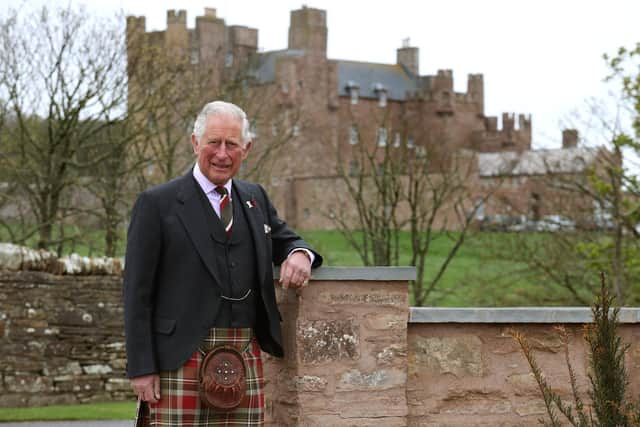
{"x": 255, "y": 218}
{"x": 194, "y": 218}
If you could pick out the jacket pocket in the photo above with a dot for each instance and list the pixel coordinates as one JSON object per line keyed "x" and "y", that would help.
{"x": 163, "y": 325}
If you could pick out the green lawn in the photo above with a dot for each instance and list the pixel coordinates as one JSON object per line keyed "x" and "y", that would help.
{"x": 473, "y": 278}
{"x": 87, "y": 411}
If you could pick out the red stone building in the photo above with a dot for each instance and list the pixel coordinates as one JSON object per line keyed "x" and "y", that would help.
{"x": 329, "y": 109}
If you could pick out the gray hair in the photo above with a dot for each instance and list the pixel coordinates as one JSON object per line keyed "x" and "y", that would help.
{"x": 222, "y": 108}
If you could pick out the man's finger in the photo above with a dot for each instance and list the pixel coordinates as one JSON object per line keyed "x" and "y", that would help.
{"x": 156, "y": 388}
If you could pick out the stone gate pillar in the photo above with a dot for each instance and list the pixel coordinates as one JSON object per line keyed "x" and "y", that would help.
{"x": 345, "y": 338}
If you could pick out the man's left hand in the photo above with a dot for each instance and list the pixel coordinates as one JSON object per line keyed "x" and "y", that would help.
{"x": 295, "y": 270}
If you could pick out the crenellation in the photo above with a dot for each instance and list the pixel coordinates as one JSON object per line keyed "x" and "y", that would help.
{"x": 443, "y": 81}
{"x": 136, "y": 24}
{"x": 176, "y": 18}
{"x": 524, "y": 122}
{"x": 508, "y": 121}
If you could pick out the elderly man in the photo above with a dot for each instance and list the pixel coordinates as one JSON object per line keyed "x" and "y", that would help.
{"x": 198, "y": 277}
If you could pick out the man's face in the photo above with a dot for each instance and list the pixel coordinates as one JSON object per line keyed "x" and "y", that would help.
{"x": 220, "y": 151}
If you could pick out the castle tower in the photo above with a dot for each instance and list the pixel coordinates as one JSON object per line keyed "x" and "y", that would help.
{"x": 308, "y": 31}
{"x": 176, "y": 35}
{"x": 408, "y": 57}
{"x": 569, "y": 138}
{"x": 475, "y": 90}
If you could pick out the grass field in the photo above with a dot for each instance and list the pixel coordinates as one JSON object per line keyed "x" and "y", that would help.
{"x": 88, "y": 411}
{"x": 475, "y": 277}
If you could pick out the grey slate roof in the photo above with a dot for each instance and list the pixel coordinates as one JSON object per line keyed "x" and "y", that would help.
{"x": 266, "y": 70}
{"x": 368, "y": 75}
{"x": 539, "y": 162}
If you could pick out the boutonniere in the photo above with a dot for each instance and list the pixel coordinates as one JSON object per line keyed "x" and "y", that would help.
{"x": 267, "y": 229}
{"x": 252, "y": 203}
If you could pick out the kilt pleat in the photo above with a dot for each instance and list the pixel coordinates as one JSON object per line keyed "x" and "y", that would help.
{"x": 180, "y": 403}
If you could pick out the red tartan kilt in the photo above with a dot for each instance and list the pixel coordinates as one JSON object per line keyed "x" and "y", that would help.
{"x": 180, "y": 403}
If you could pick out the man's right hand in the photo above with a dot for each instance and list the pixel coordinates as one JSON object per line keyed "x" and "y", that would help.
{"x": 147, "y": 387}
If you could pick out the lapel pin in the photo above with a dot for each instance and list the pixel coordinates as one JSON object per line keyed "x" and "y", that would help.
{"x": 252, "y": 203}
{"x": 267, "y": 229}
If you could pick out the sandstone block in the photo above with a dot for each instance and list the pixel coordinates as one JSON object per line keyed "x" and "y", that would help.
{"x": 459, "y": 356}
{"x": 310, "y": 383}
{"x": 355, "y": 380}
{"x": 322, "y": 341}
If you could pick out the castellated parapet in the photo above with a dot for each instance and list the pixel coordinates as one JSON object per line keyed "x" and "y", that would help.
{"x": 508, "y": 138}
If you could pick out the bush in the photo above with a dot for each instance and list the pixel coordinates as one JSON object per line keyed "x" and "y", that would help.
{"x": 610, "y": 405}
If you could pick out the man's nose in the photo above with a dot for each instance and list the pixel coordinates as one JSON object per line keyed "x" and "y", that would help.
{"x": 222, "y": 150}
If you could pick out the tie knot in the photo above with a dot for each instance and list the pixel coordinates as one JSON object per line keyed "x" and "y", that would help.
{"x": 221, "y": 191}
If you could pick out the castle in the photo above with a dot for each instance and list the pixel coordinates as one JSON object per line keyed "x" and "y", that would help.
{"x": 326, "y": 108}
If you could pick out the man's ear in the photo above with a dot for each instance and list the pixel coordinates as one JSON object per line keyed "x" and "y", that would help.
{"x": 194, "y": 143}
{"x": 245, "y": 150}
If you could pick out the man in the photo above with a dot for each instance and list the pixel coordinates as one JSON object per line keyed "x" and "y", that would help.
{"x": 198, "y": 275}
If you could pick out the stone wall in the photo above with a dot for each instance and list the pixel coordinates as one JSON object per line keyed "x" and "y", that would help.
{"x": 61, "y": 339}
{"x": 466, "y": 370}
{"x": 357, "y": 354}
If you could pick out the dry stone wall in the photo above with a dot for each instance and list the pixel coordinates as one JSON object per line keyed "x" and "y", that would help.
{"x": 61, "y": 339}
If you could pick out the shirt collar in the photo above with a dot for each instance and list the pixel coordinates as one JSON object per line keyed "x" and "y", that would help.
{"x": 206, "y": 185}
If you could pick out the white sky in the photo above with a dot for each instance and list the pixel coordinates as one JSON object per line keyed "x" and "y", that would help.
{"x": 541, "y": 57}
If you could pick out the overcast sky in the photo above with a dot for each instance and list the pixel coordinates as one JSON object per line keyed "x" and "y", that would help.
{"x": 541, "y": 57}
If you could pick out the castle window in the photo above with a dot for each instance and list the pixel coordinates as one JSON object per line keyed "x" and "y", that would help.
{"x": 228, "y": 60}
{"x": 195, "y": 56}
{"x": 354, "y": 168}
{"x": 382, "y": 137}
{"x": 410, "y": 143}
{"x": 353, "y": 135}
{"x": 284, "y": 87}
{"x": 396, "y": 140}
{"x": 274, "y": 129}
{"x": 296, "y": 130}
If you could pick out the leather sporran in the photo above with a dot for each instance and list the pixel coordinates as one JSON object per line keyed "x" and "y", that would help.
{"x": 223, "y": 379}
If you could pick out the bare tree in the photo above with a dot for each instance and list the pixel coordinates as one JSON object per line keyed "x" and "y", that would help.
{"x": 404, "y": 183}
{"x": 63, "y": 80}
{"x": 176, "y": 88}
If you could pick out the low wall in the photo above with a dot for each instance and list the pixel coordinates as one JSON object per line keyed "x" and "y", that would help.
{"x": 357, "y": 354}
{"x": 466, "y": 370}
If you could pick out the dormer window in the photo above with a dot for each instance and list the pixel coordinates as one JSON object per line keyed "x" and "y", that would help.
{"x": 381, "y": 92}
{"x": 353, "y": 89}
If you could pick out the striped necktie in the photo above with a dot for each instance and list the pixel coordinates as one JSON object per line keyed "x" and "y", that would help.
{"x": 226, "y": 209}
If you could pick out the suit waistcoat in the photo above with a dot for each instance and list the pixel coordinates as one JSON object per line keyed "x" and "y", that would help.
{"x": 235, "y": 260}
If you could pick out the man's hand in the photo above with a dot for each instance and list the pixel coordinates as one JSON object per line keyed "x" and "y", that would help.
{"x": 295, "y": 270}
{"x": 147, "y": 387}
